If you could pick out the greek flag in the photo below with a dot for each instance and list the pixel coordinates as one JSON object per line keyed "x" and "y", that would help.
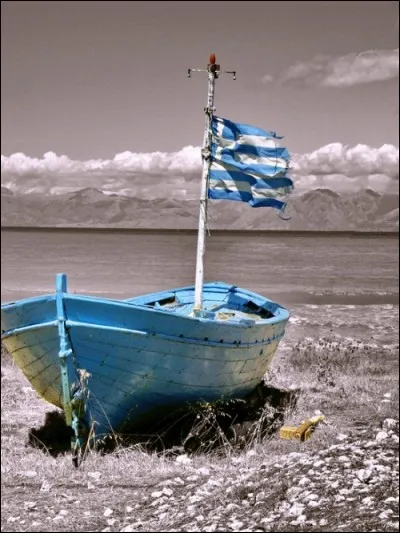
{"x": 247, "y": 165}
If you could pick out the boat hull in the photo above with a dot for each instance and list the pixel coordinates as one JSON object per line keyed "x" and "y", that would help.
{"x": 146, "y": 353}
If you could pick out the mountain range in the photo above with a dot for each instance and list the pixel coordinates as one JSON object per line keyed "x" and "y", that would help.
{"x": 316, "y": 210}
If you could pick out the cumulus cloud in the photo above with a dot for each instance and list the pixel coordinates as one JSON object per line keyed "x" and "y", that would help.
{"x": 343, "y": 71}
{"x": 153, "y": 175}
{"x": 145, "y": 174}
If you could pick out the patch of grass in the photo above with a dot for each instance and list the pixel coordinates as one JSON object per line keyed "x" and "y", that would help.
{"x": 346, "y": 381}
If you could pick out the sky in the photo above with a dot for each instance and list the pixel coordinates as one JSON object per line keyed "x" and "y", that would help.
{"x": 102, "y": 87}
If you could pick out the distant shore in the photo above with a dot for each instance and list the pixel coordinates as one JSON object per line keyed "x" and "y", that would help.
{"x": 77, "y": 229}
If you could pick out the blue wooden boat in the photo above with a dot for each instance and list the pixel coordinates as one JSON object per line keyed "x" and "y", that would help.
{"x": 108, "y": 363}
{"x": 146, "y": 352}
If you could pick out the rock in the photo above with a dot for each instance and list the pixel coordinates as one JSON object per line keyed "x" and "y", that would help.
{"x": 94, "y": 475}
{"x": 293, "y": 492}
{"x": 29, "y": 506}
{"x": 236, "y": 525}
{"x": 296, "y": 509}
{"x": 260, "y": 496}
{"x": 304, "y": 481}
{"x": 364, "y": 475}
{"x": 231, "y": 507}
{"x": 183, "y": 459}
{"x": 128, "y": 528}
{"x": 157, "y": 494}
{"x": 29, "y": 473}
{"x": 389, "y": 423}
{"x": 381, "y": 435}
{"x": 108, "y": 512}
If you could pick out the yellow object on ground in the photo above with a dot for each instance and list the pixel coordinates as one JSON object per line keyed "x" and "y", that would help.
{"x": 303, "y": 431}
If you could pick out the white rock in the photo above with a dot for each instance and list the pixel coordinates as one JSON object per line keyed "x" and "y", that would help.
{"x": 312, "y": 496}
{"x": 342, "y": 437}
{"x": 167, "y": 492}
{"x": 157, "y": 494}
{"x": 389, "y": 423}
{"x": 260, "y": 496}
{"x": 304, "y": 481}
{"x": 323, "y": 522}
{"x": 381, "y": 435}
{"x": 203, "y": 471}
{"x": 395, "y": 438}
{"x": 108, "y": 512}
{"x": 387, "y": 395}
{"x": 231, "y": 506}
{"x": 267, "y": 520}
{"x": 313, "y": 504}
{"x": 94, "y": 475}
{"x": 29, "y": 473}
{"x": 296, "y": 509}
{"x": 293, "y": 492}
{"x": 236, "y": 525}
{"x": 128, "y": 528}
{"x": 183, "y": 459}
{"x": 363, "y": 474}
{"x": 390, "y": 499}
{"x": 368, "y": 500}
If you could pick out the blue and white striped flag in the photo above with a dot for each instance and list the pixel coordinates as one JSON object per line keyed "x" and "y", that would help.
{"x": 247, "y": 165}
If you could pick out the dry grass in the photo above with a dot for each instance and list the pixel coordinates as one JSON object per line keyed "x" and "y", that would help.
{"x": 346, "y": 381}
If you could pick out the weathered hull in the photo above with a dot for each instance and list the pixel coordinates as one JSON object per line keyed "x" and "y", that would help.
{"x": 148, "y": 352}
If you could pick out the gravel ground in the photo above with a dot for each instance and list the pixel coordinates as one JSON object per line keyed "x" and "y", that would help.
{"x": 350, "y": 486}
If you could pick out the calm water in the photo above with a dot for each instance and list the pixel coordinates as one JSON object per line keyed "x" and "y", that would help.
{"x": 331, "y": 283}
{"x": 296, "y": 268}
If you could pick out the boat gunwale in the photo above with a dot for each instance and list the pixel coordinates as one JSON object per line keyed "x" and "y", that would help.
{"x": 281, "y": 314}
{"x": 174, "y": 338}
